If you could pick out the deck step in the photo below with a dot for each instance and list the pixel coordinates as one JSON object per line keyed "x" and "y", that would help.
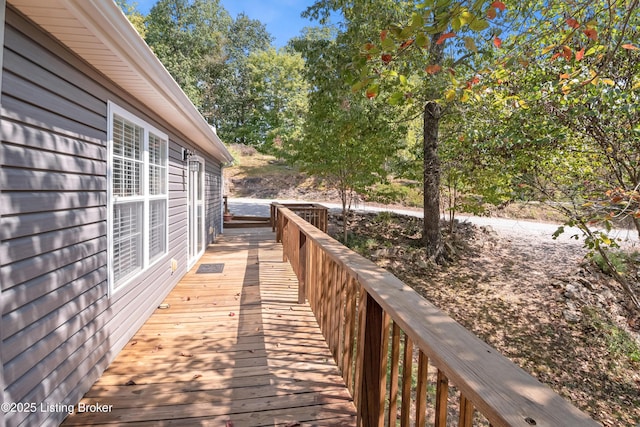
{"x": 248, "y": 222}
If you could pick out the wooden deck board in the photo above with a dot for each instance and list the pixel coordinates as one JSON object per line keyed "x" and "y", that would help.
{"x": 233, "y": 348}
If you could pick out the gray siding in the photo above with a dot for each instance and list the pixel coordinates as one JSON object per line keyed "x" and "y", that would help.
{"x": 59, "y": 327}
{"x": 213, "y": 180}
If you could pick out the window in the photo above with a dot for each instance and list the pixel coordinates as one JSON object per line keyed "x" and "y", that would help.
{"x": 138, "y": 196}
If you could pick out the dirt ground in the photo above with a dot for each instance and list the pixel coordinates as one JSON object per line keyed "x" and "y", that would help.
{"x": 536, "y": 301}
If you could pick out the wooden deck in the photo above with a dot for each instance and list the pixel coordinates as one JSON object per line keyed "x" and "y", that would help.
{"x": 233, "y": 349}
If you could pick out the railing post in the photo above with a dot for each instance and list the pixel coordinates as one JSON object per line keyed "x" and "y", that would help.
{"x": 374, "y": 364}
{"x": 284, "y": 237}
{"x": 279, "y": 226}
{"x": 272, "y": 216}
{"x": 302, "y": 268}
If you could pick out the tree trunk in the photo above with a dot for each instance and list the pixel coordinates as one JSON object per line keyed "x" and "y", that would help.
{"x": 431, "y": 229}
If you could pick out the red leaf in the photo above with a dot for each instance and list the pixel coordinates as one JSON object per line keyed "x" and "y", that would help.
{"x": 433, "y": 69}
{"x": 573, "y": 23}
{"x": 383, "y": 34}
{"x": 386, "y": 58}
{"x": 497, "y": 42}
{"x": 498, "y": 5}
{"x": 592, "y": 34}
{"x": 629, "y": 46}
{"x": 567, "y": 52}
{"x": 491, "y": 13}
{"x": 369, "y": 46}
{"x": 555, "y": 55}
{"x": 370, "y": 94}
{"x": 580, "y": 54}
{"x": 406, "y": 44}
{"x": 444, "y": 37}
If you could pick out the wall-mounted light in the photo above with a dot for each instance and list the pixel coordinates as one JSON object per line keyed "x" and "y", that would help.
{"x": 186, "y": 154}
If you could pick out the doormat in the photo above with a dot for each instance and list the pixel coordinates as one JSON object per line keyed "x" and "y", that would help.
{"x": 210, "y": 268}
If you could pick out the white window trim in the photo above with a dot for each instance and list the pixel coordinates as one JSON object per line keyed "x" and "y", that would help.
{"x": 114, "y": 109}
{"x": 203, "y": 211}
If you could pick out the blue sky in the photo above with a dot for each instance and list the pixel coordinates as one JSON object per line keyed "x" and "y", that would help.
{"x": 282, "y": 17}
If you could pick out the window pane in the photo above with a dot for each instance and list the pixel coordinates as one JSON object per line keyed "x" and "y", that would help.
{"x": 157, "y": 150}
{"x": 127, "y": 240}
{"x": 157, "y": 180}
{"x": 127, "y": 158}
{"x": 127, "y": 138}
{"x": 126, "y": 178}
{"x": 157, "y": 228}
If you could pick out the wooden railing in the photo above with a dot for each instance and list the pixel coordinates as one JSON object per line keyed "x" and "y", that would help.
{"x": 313, "y": 213}
{"x": 385, "y": 338}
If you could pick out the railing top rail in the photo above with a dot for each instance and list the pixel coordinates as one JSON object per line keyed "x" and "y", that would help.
{"x": 300, "y": 205}
{"x": 501, "y": 390}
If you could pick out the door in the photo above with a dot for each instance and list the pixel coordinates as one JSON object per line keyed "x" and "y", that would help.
{"x": 195, "y": 208}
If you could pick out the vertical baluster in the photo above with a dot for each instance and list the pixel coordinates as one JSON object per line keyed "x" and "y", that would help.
{"x": 331, "y": 338}
{"x": 342, "y": 313}
{"x": 349, "y": 337}
{"x": 466, "y": 412}
{"x": 407, "y": 371}
{"x": 324, "y": 288}
{"x": 302, "y": 267}
{"x": 362, "y": 298}
{"x": 421, "y": 389}
{"x": 395, "y": 367}
{"x": 442, "y": 397}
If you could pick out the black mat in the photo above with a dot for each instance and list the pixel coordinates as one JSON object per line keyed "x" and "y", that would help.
{"x": 210, "y": 268}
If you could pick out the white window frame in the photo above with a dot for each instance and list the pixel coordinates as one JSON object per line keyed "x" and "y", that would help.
{"x": 113, "y": 110}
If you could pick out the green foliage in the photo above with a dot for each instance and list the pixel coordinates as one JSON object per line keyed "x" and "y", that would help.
{"x": 280, "y": 98}
{"x": 134, "y": 16}
{"x": 207, "y": 51}
{"x": 619, "y": 343}
{"x": 188, "y": 37}
{"x": 347, "y": 139}
{"x": 622, "y": 261}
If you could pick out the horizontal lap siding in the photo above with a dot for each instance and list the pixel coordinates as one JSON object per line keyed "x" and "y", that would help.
{"x": 213, "y": 179}
{"x": 53, "y": 234}
{"x": 60, "y": 328}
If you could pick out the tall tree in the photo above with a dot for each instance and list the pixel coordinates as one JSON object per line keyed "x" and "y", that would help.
{"x": 280, "y": 90}
{"x": 207, "y": 52}
{"x": 189, "y": 36}
{"x": 347, "y": 138}
{"x": 232, "y": 97}
{"x": 413, "y": 44}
